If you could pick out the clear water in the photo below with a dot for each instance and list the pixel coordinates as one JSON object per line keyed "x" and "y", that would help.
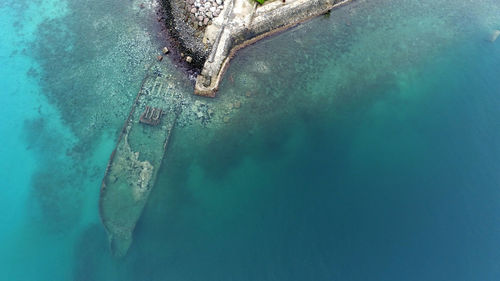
{"x": 366, "y": 148}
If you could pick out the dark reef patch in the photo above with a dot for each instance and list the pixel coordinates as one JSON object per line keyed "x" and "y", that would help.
{"x": 54, "y": 199}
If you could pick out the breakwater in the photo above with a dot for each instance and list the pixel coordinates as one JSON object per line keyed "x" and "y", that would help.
{"x": 243, "y": 24}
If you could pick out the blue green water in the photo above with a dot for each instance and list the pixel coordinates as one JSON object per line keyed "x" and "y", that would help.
{"x": 367, "y": 147}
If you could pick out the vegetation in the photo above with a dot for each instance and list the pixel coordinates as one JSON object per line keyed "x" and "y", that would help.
{"x": 261, "y": 1}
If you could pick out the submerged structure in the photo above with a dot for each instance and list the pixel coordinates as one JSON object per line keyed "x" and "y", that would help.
{"x": 133, "y": 165}
{"x": 209, "y": 33}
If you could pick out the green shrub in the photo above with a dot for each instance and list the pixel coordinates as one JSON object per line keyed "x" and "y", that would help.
{"x": 261, "y": 1}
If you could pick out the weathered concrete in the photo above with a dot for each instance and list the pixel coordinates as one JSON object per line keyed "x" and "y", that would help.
{"x": 244, "y": 22}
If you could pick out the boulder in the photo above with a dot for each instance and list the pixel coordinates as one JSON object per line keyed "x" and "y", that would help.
{"x": 165, "y": 50}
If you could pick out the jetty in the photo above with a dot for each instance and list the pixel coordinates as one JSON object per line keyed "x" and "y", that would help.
{"x": 134, "y": 163}
{"x": 243, "y": 22}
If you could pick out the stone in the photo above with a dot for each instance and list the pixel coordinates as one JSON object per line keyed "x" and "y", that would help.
{"x": 165, "y": 50}
{"x": 209, "y": 15}
{"x": 213, "y": 9}
{"x": 494, "y": 35}
{"x": 216, "y": 14}
{"x": 159, "y": 57}
{"x": 207, "y": 5}
{"x": 191, "y": 2}
{"x": 200, "y": 23}
{"x": 226, "y": 119}
{"x": 202, "y": 9}
{"x": 199, "y": 114}
{"x": 205, "y": 21}
{"x": 193, "y": 10}
{"x": 219, "y": 2}
{"x": 200, "y": 18}
{"x": 237, "y": 104}
{"x": 189, "y": 59}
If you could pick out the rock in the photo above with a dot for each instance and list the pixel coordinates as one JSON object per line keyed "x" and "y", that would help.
{"x": 189, "y": 59}
{"x": 199, "y": 114}
{"x": 216, "y": 14}
{"x": 205, "y": 20}
{"x": 159, "y": 57}
{"x": 200, "y": 23}
{"x": 202, "y": 9}
{"x": 494, "y": 35}
{"x": 200, "y": 18}
{"x": 219, "y": 2}
{"x": 209, "y": 15}
{"x": 213, "y": 9}
{"x": 226, "y": 119}
{"x": 191, "y": 2}
{"x": 165, "y": 50}
{"x": 237, "y": 104}
{"x": 193, "y": 10}
{"x": 208, "y": 5}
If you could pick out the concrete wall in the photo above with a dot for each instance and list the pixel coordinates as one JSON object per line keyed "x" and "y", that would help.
{"x": 265, "y": 21}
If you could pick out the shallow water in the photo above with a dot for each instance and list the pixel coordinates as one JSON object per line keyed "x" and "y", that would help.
{"x": 366, "y": 147}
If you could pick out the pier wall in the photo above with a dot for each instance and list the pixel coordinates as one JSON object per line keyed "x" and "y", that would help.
{"x": 264, "y": 21}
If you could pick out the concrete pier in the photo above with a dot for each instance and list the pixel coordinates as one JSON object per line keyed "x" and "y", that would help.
{"x": 244, "y": 22}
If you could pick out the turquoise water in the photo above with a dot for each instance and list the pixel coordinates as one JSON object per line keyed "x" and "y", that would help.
{"x": 366, "y": 148}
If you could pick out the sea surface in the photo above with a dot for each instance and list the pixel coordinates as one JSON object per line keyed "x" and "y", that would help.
{"x": 366, "y": 147}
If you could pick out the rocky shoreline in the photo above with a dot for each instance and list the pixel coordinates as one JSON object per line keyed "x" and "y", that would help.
{"x": 185, "y": 21}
